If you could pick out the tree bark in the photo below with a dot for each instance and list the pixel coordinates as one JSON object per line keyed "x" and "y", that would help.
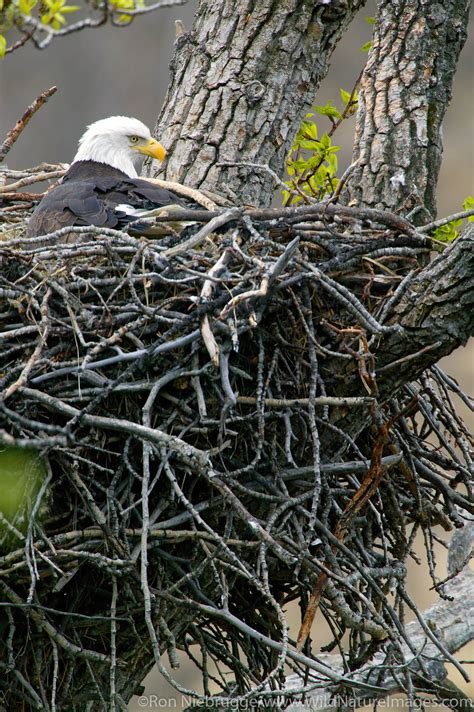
{"x": 241, "y": 82}
{"x": 405, "y": 91}
{"x": 435, "y": 315}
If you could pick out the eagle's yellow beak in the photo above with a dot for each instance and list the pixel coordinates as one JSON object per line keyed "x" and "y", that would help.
{"x": 152, "y": 148}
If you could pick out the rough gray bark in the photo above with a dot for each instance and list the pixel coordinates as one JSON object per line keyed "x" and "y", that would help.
{"x": 435, "y": 315}
{"x": 241, "y": 81}
{"x": 404, "y": 93}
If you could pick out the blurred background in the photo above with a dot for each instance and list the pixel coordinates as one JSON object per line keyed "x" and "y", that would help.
{"x": 109, "y": 70}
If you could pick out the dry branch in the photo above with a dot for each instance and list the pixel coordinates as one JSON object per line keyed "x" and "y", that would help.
{"x": 451, "y": 620}
{"x": 20, "y": 125}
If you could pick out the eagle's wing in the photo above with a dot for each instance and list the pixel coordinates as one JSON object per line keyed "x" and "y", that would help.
{"x": 71, "y": 203}
{"x": 99, "y": 201}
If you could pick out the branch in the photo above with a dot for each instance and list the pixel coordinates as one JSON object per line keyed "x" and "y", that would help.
{"x": 436, "y": 314}
{"x": 452, "y": 621}
{"x": 21, "y": 123}
{"x": 185, "y": 452}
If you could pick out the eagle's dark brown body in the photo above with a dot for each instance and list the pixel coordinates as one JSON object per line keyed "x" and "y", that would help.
{"x": 89, "y": 195}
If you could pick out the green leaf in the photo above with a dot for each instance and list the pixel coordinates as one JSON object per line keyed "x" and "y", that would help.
{"x": 365, "y": 47}
{"x": 331, "y": 160}
{"x": 310, "y": 129}
{"x": 3, "y": 46}
{"x": 26, "y": 6}
{"x": 468, "y": 204}
{"x": 315, "y": 160}
{"x": 345, "y": 96}
{"x": 325, "y": 141}
{"x": 320, "y": 175}
{"x": 309, "y": 144}
{"x": 447, "y": 233}
{"x": 300, "y": 164}
{"x": 328, "y": 110}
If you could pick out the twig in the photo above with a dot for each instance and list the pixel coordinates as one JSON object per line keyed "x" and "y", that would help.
{"x": 183, "y": 450}
{"x": 446, "y": 618}
{"x": 309, "y": 663}
{"x": 51, "y": 33}
{"x": 338, "y": 402}
{"x": 186, "y": 191}
{"x": 22, "y": 196}
{"x": 13, "y": 135}
{"x": 19, "y": 43}
{"x": 30, "y": 179}
{"x": 210, "y": 341}
{"x": 267, "y": 280}
{"x": 409, "y": 357}
{"x": 206, "y": 292}
{"x": 428, "y": 227}
{"x": 192, "y": 242}
{"x": 43, "y": 328}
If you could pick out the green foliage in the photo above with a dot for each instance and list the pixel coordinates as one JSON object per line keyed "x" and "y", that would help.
{"x": 26, "y": 6}
{"x": 469, "y": 205}
{"x": 449, "y": 232}
{"x": 21, "y": 475}
{"x": 328, "y": 110}
{"x": 312, "y": 161}
{"x": 367, "y": 45}
{"x": 55, "y": 11}
{"x": 126, "y": 5}
{"x": 21, "y": 14}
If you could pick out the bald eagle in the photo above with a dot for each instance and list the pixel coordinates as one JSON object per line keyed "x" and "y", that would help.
{"x": 102, "y": 186}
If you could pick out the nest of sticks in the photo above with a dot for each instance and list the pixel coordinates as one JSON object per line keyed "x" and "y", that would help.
{"x": 187, "y": 398}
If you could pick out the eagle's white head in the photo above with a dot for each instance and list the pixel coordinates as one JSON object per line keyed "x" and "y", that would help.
{"x": 119, "y": 141}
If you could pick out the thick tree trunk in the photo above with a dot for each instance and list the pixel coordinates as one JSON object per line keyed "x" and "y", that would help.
{"x": 435, "y": 315}
{"x": 242, "y": 79}
{"x": 405, "y": 91}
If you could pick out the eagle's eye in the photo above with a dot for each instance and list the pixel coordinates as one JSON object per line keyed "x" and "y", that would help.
{"x": 134, "y": 139}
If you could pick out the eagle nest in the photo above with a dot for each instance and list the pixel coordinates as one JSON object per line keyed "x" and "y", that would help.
{"x": 212, "y": 443}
